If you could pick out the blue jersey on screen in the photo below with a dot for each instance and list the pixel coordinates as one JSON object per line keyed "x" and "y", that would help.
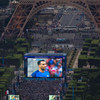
{"x": 40, "y": 74}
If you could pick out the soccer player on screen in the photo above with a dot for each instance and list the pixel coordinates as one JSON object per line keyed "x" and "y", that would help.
{"x": 41, "y": 72}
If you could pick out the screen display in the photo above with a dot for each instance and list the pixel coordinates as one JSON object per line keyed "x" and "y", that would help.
{"x": 44, "y": 67}
{"x": 54, "y": 97}
{"x": 13, "y": 97}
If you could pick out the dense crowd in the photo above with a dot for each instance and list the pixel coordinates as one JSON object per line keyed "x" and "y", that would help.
{"x": 38, "y": 89}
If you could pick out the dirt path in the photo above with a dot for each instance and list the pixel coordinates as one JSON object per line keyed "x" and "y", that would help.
{"x": 75, "y": 65}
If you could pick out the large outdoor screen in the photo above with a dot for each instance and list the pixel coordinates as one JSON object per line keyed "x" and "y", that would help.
{"x": 44, "y": 65}
{"x": 13, "y": 97}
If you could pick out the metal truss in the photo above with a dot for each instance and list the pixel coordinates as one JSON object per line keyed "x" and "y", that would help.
{"x": 27, "y": 8}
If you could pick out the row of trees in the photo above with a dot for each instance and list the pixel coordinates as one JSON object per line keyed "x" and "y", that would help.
{"x": 13, "y": 51}
{"x": 90, "y": 53}
{"x": 85, "y": 83}
{"x": 6, "y": 76}
{"x": 76, "y": 88}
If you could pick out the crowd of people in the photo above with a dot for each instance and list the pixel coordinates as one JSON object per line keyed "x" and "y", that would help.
{"x": 38, "y": 89}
